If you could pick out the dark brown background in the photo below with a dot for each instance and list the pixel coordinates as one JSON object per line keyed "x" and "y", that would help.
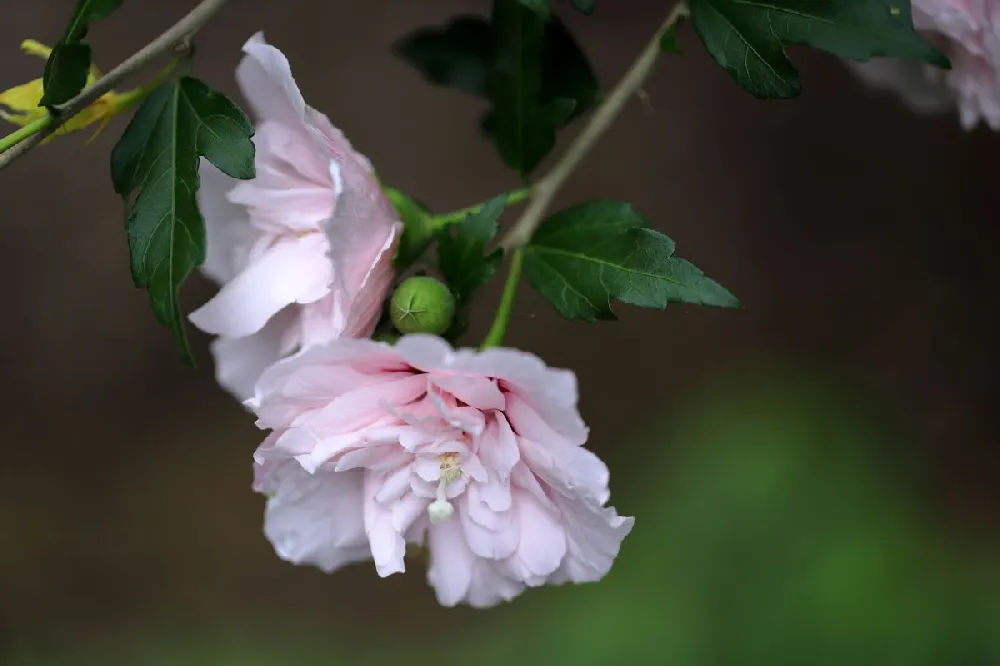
{"x": 860, "y": 239}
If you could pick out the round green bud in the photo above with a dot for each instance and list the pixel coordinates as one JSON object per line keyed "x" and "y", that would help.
{"x": 422, "y": 305}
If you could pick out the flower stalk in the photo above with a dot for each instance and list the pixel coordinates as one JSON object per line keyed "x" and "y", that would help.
{"x": 499, "y": 327}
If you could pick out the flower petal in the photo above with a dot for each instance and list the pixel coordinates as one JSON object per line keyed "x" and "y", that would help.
{"x": 498, "y": 447}
{"x": 474, "y": 390}
{"x": 240, "y": 361}
{"x": 292, "y": 190}
{"x": 572, "y": 470}
{"x": 594, "y": 536}
{"x": 495, "y": 535}
{"x": 424, "y": 352}
{"x": 386, "y": 539}
{"x": 451, "y": 562}
{"x": 541, "y": 543}
{"x": 290, "y": 272}
{"x": 228, "y": 234}
{"x": 489, "y": 587}
{"x": 314, "y": 519}
{"x": 265, "y": 77}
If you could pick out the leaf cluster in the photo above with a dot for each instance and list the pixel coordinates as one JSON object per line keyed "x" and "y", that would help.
{"x": 524, "y": 62}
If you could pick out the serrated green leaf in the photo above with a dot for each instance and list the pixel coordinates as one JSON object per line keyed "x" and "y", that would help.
{"x": 154, "y": 167}
{"x": 461, "y": 249}
{"x": 418, "y": 227}
{"x": 68, "y": 65}
{"x": 457, "y": 55}
{"x": 524, "y": 127}
{"x": 584, "y": 6}
{"x": 747, "y": 37}
{"x": 584, "y": 257}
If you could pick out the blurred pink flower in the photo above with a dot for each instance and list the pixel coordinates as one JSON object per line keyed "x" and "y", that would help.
{"x": 476, "y": 454}
{"x": 968, "y": 32}
{"x": 304, "y": 250}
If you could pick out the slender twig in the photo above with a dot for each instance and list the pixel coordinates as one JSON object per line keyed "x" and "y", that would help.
{"x": 177, "y": 36}
{"x": 546, "y": 188}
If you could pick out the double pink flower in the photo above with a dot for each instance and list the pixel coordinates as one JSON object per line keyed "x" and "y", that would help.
{"x": 477, "y": 455}
{"x": 304, "y": 250}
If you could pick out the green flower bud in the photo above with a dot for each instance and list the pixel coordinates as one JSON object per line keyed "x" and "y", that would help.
{"x": 422, "y": 305}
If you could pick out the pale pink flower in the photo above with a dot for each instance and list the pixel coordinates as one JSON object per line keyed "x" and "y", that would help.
{"x": 304, "y": 250}
{"x": 476, "y": 454}
{"x": 968, "y": 32}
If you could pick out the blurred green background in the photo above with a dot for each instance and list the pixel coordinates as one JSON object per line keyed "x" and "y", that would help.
{"x": 775, "y": 525}
{"x": 814, "y": 477}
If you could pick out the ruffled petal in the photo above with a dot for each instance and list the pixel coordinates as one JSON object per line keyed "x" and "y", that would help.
{"x": 290, "y": 272}
{"x": 314, "y": 519}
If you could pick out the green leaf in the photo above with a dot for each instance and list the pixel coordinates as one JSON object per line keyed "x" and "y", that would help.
{"x": 461, "y": 249}
{"x": 154, "y": 167}
{"x": 747, "y": 37}
{"x": 87, "y": 12}
{"x": 566, "y": 71}
{"x": 460, "y": 55}
{"x": 585, "y": 6}
{"x": 65, "y": 73}
{"x": 418, "y": 227}
{"x": 584, "y": 257}
{"x": 457, "y": 55}
{"x": 540, "y": 7}
{"x": 524, "y": 128}
{"x": 68, "y": 65}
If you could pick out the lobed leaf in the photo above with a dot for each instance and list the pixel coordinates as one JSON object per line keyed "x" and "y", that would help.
{"x": 154, "y": 167}
{"x": 748, "y": 37}
{"x": 584, "y": 257}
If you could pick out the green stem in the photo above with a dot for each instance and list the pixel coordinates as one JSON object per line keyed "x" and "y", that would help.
{"x": 513, "y": 197}
{"x": 132, "y": 97}
{"x": 499, "y": 328}
{"x": 22, "y": 133}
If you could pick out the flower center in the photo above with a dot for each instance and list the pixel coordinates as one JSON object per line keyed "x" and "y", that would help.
{"x": 450, "y": 469}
